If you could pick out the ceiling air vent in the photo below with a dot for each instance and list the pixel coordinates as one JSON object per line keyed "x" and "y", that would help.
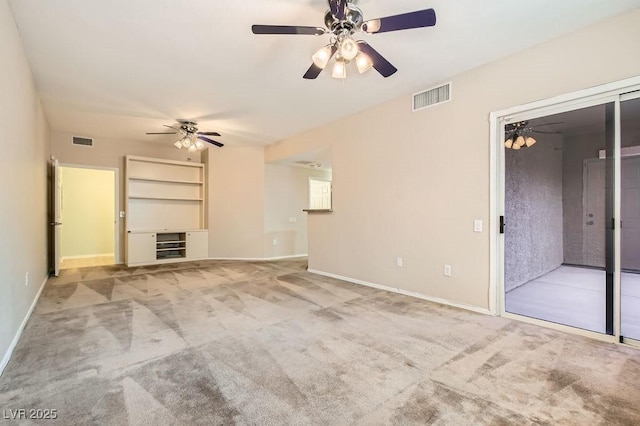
{"x": 82, "y": 141}
{"x": 431, "y": 97}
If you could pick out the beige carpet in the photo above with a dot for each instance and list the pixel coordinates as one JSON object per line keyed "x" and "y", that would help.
{"x": 269, "y": 343}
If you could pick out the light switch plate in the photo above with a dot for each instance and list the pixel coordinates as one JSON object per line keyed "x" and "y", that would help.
{"x": 477, "y": 225}
{"x": 121, "y": 213}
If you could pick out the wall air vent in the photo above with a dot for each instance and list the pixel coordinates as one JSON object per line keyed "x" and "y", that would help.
{"x": 82, "y": 141}
{"x": 431, "y": 97}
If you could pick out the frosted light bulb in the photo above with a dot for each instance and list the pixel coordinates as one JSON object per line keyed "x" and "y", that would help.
{"x": 530, "y": 141}
{"x": 199, "y": 144}
{"x": 520, "y": 141}
{"x": 509, "y": 143}
{"x": 348, "y": 49}
{"x": 363, "y": 62}
{"x": 192, "y": 148}
{"x": 515, "y": 146}
{"x": 321, "y": 57}
{"x": 178, "y": 144}
{"x": 186, "y": 142}
{"x": 339, "y": 70}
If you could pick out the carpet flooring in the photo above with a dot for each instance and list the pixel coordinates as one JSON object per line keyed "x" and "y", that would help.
{"x": 269, "y": 343}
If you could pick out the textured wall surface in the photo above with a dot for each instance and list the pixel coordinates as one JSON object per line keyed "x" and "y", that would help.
{"x": 533, "y": 211}
{"x": 577, "y": 148}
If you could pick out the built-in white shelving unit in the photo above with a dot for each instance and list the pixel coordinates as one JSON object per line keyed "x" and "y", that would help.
{"x": 165, "y": 211}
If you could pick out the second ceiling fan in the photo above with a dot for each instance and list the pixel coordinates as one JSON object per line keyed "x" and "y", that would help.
{"x": 343, "y": 20}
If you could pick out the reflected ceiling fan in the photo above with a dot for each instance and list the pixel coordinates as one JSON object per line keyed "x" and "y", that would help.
{"x": 519, "y": 135}
{"x": 191, "y": 138}
{"x": 343, "y": 20}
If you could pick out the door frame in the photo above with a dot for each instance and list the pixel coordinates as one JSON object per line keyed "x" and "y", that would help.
{"x": 116, "y": 213}
{"x": 614, "y": 92}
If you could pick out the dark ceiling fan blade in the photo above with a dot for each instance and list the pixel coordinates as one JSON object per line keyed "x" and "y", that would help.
{"x": 169, "y": 133}
{"x": 287, "y": 29}
{"x": 314, "y": 70}
{"x": 338, "y": 8}
{"x": 405, "y": 21}
{"x": 171, "y": 127}
{"x": 211, "y": 141}
{"x": 381, "y": 65}
{"x": 209, "y": 133}
{"x": 546, "y": 124}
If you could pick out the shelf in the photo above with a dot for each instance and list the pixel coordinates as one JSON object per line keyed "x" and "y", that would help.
{"x": 142, "y": 197}
{"x": 165, "y": 207}
{"x": 188, "y": 182}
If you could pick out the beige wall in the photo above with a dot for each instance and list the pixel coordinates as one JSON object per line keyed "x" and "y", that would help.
{"x": 87, "y": 212}
{"x": 286, "y": 195}
{"x": 235, "y": 187}
{"x": 111, "y": 153}
{"x": 413, "y": 183}
{"x": 23, "y": 168}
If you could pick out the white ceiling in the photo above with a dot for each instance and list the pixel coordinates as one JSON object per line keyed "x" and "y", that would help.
{"x": 120, "y": 68}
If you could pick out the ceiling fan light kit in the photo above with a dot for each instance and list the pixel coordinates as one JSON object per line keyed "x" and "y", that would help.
{"x": 519, "y": 134}
{"x": 191, "y": 138}
{"x": 343, "y": 21}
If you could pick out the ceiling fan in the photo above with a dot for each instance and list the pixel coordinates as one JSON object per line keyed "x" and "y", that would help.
{"x": 191, "y": 138}
{"x": 518, "y": 135}
{"x": 343, "y": 20}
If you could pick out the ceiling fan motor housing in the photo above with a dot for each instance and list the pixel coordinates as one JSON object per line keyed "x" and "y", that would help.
{"x": 352, "y": 21}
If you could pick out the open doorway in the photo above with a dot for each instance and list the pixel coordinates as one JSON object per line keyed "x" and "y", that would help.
{"x": 88, "y": 208}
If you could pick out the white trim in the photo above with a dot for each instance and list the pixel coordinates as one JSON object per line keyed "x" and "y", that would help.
{"x": 261, "y": 259}
{"x": 405, "y": 292}
{"x": 604, "y": 90}
{"x": 87, "y": 256}
{"x": 560, "y": 327}
{"x": 16, "y": 338}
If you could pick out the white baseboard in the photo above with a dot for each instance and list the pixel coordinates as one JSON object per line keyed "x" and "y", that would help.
{"x": 261, "y": 259}
{"x": 86, "y": 256}
{"x": 7, "y": 355}
{"x": 405, "y": 292}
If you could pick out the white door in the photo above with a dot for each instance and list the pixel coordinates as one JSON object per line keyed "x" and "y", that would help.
{"x": 55, "y": 218}
{"x": 319, "y": 194}
{"x": 630, "y": 213}
{"x": 593, "y": 221}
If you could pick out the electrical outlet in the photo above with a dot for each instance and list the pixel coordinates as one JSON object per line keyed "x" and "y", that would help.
{"x": 399, "y": 262}
{"x": 121, "y": 214}
{"x": 447, "y": 270}
{"x": 275, "y": 242}
{"x": 26, "y": 279}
